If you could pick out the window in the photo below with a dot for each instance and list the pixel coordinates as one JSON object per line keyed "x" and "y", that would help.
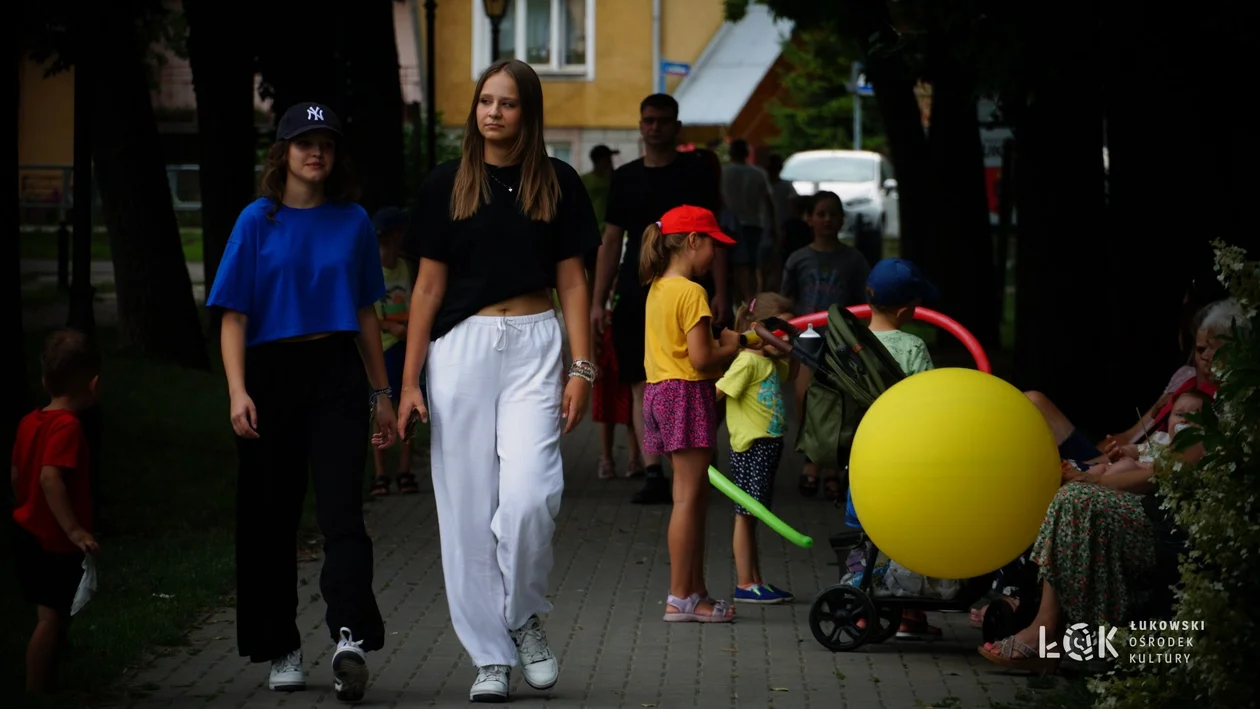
{"x": 556, "y": 37}
{"x": 561, "y": 151}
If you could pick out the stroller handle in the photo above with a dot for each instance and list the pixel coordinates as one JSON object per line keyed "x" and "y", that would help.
{"x": 772, "y": 339}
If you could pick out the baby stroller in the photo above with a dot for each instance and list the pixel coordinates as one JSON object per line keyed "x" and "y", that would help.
{"x": 851, "y": 368}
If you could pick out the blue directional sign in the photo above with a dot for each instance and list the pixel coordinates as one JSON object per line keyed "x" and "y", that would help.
{"x": 675, "y": 68}
{"x": 861, "y": 86}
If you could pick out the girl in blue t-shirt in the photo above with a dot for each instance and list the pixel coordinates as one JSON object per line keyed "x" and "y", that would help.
{"x": 301, "y": 342}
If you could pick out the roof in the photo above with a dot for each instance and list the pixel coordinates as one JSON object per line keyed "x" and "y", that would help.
{"x": 731, "y": 67}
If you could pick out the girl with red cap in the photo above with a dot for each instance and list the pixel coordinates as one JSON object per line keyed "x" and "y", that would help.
{"x": 682, "y": 360}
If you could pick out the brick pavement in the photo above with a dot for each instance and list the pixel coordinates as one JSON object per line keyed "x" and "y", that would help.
{"x": 610, "y": 579}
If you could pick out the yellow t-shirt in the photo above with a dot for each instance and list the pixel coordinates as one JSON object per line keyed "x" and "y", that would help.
{"x": 396, "y": 302}
{"x": 674, "y": 306}
{"x": 753, "y": 386}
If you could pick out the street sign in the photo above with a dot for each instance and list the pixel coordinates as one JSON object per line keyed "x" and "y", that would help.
{"x": 675, "y": 68}
{"x": 862, "y": 88}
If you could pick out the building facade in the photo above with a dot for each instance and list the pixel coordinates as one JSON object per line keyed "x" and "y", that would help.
{"x": 597, "y": 60}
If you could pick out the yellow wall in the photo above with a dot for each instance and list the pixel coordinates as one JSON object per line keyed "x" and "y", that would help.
{"x": 686, "y": 28}
{"x": 623, "y": 60}
{"x": 45, "y": 116}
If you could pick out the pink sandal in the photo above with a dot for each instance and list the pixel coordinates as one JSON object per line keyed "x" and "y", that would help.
{"x": 686, "y": 613}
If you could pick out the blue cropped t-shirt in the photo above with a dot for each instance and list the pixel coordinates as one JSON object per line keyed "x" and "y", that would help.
{"x": 299, "y": 272}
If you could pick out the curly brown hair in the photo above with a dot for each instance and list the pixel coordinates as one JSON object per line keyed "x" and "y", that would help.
{"x": 341, "y": 186}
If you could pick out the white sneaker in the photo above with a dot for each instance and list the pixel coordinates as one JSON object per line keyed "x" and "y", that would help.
{"x": 491, "y": 684}
{"x": 349, "y": 665}
{"x": 538, "y": 663}
{"x": 287, "y": 674}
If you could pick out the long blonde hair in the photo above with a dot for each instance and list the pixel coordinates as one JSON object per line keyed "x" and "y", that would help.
{"x": 539, "y": 192}
{"x": 658, "y": 248}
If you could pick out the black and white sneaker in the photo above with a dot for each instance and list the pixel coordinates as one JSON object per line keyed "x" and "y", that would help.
{"x": 491, "y": 685}
{"x": 349, "y": 665}
{"x": 287, "y": 674}
{"x": 538, "y": 662}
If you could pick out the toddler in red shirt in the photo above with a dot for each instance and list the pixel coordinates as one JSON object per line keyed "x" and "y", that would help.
{"x": 52, "y": 520}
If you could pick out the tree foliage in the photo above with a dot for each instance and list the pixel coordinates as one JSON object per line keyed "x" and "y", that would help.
{"x": 816, "y": 110}
{"x": 1216, "y": 505}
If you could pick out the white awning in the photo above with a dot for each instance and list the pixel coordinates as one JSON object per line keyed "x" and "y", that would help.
{"x": 730, "y": 68}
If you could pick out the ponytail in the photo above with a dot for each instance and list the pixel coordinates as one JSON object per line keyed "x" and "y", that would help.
{"x": 657, "y": 250}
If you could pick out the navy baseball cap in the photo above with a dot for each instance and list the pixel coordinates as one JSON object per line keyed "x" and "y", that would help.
{"x": 307, "y": 116}
{"x": 896, "y": 281}
{"x": 387, "y": 219}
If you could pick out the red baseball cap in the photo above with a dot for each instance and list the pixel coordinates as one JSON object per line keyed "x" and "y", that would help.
{"x": 686, "y": 219}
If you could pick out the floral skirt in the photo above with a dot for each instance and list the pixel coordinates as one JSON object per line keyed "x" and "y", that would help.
{"x": 1096, "y": 548}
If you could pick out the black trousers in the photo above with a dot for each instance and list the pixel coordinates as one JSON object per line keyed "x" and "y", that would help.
{"x": 312, "y": 425}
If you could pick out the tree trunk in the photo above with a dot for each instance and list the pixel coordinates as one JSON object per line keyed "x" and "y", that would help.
{"x": 294, "y": 68}
{"x": 156, "y": 312}
{"x": 223, "y": 77}
{"x": 375, "y": 105}
{"x": 16, "y": 395}
{"x": 1064, "y": 333}
{"x": 899, "y": 108}
{"x": 960, "y": 257}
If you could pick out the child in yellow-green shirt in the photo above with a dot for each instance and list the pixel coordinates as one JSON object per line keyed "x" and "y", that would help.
{"x": 756, "y": 418}
{"x": 392, "y": 311}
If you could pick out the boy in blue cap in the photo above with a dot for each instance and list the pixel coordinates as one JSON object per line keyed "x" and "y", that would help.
{"x": 895, "y": 287}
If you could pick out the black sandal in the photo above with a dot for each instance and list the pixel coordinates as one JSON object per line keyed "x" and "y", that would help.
{"x": 380, "y": 486}
{"x": 407, "y": 484}
{"x": 808, "y": 485}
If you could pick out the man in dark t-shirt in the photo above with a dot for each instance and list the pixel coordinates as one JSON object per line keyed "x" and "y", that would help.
{"x": 641, "y": 192}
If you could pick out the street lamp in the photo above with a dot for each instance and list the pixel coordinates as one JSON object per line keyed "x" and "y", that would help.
{"x": 495, "y": 10}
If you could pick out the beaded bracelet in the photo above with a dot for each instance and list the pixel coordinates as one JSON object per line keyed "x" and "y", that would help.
{"x": 377, "y": 394}
{"x": 583, "y": 369}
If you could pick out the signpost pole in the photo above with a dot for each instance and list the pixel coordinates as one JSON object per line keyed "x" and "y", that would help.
{"x": 857, "y": 108}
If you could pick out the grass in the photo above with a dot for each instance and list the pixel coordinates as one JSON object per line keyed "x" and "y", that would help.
{"x": 1065, "y": 692}
{"x": 42, "y": 244}
{"x": 164, "y": 520}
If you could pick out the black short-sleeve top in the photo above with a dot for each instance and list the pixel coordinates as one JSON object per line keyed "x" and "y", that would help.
{"x": 499, "y": 252}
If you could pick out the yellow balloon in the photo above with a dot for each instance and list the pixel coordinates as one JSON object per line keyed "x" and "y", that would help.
{"x": 952, "y": 471}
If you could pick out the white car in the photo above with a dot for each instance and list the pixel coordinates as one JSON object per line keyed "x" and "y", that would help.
{"x": 862, "y": 179}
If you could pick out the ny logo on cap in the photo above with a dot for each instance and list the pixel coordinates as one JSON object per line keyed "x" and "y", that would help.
{"x": 314, "y": 113}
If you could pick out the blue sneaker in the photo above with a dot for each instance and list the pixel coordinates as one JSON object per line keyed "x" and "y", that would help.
{"x": 765, "y": 595}
{"x": 787, "y": 596}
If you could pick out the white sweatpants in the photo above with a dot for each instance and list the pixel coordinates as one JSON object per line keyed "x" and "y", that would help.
{"x": 495, "y": 393}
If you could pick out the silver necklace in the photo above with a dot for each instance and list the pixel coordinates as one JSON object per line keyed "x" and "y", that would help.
{"x": 509, "y": 187}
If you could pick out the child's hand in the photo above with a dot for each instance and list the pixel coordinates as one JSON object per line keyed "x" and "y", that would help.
{"x": 728, "y": 338}
{"x": 83, "y": 539}
{"x": 1115, "y": 451}
{"x": 386, "y": 423}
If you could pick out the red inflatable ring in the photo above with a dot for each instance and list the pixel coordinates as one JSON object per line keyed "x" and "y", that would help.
{"x": 927, "y": 315}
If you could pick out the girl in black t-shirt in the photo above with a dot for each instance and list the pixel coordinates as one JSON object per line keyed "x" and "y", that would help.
{"x": 495, "y": 232}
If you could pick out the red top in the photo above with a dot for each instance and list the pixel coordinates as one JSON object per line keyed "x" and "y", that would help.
{"x": 1160, "y": 423}
{"x": 51, "y": 438}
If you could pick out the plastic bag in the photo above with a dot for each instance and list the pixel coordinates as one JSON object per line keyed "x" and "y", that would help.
{"x": 87, "y": 585}
{"x": 900, "y": 581}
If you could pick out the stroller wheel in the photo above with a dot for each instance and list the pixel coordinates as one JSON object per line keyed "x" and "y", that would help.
{"x": 889, "y": 622}
{"x": 834, "y": 616}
